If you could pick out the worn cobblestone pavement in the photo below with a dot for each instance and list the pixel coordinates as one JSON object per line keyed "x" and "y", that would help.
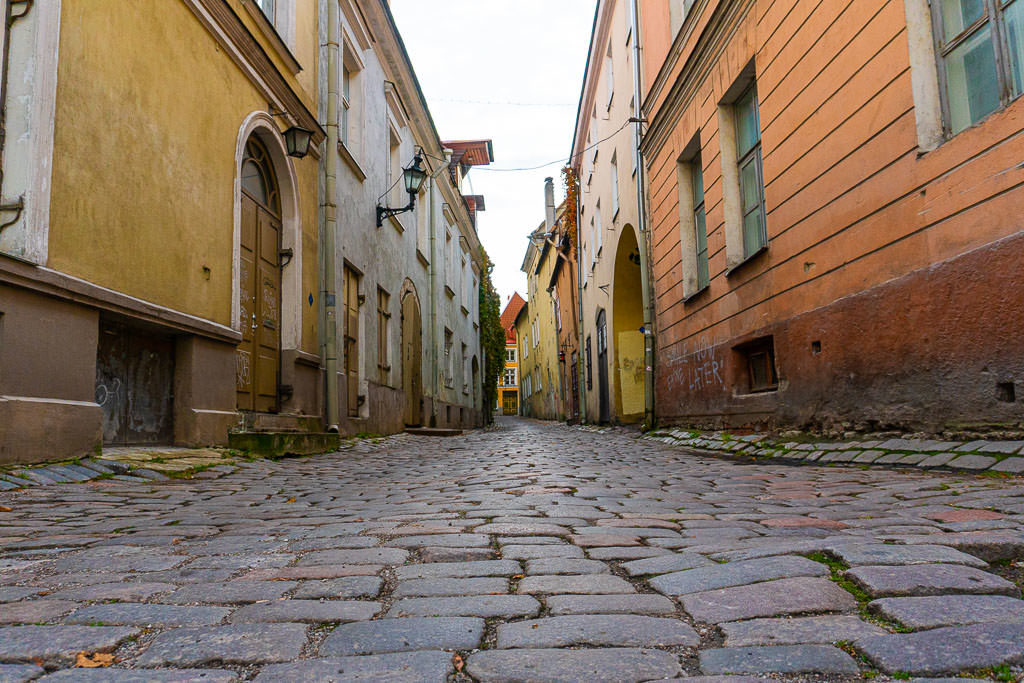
{"x": 532, "y": 552}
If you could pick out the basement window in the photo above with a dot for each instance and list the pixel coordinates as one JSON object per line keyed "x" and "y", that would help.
{"x": 759, "y": 358}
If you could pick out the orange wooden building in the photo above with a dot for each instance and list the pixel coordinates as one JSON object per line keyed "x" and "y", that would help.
{"x": 836, "y": 211}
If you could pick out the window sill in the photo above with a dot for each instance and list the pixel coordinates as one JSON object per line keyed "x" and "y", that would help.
{"x": 350, "y": 161}
{"x": 465, "y": 311}
{"x": 272, "y": 36}
{"x": 449, "y": 291}
{"x": 748, "y": 260}
{"x": 397, "y": 224}
{"x": 424, "y": 261}
{"x": 696, "y": 295}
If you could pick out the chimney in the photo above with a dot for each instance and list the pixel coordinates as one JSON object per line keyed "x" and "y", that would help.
{"x": 549, "y": 205}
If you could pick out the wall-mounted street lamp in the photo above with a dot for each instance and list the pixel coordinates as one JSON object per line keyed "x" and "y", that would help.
{"x": 413, "y": 178}
{"x": 297, "y": 140}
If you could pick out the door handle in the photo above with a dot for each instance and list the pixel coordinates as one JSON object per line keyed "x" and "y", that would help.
{"x": 253, "y": 322}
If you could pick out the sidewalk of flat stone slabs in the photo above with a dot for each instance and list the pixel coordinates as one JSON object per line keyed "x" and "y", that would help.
{"x": 1003, "y": 457}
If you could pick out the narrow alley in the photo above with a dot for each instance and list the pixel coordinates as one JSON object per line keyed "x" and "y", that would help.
{"x": 530, "y": 551}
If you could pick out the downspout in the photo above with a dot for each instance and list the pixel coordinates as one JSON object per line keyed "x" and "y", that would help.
{"x": 645, "y": 276}
{"x": 9, "y": 19}
{"x": 329, "y": 280}
{"x": 581, "y": 366}
{"x": 433, "y": 291}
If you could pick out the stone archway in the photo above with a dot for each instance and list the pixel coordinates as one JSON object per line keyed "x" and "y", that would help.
{"x": 412, "y": 355}
{"x": 627, "y": 338}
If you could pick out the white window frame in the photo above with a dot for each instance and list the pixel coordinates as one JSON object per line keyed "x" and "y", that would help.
{"x": 614, "y": 170}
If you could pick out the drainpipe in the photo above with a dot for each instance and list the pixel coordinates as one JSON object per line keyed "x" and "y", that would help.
{"x": 433, "y": 287}
{"x": 328, "y": 295}
{"x": 645, "y": 276}
{"x": 581, "y": 366}
{"x": 9, "y": 19}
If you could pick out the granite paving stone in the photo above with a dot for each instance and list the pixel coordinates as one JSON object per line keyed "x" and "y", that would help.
{"x": 619, "y": 630}
{"x": 532, "y": 552}
{"x": 125, "y": 591}
{"x": 245, "y": 645}
{"x": 35, "y": 611}
{"x": 485, "y": 606}
{"x": 593, "y": 584}
{"x": 881, "y": 554}
{"x": 18, "y": 673}
{"x": 374, "y": 556}
{"x": 455, "y": 570}
{"x": 58, "y": 645}
{"x": 556, "y": 565}
{"x": 343, "y": 587}
{"x": 663, "y": 564}
{"x": 398, "y": 635}
{"x": 791, "y": 659}
{"x": 949, "y": 610}
{"x": 440, "y": 587}
{"x": 624, "y": 665}
{"x": 768, "y": 599}
{"x": 797, "y": 630}
{"x": 736, "y": 574}
{"x": 141, "y": 614}
{"x": 928, "y": 579}
{"x": 141, "y": 676}
{"x": 946, "y": 650}
{"x": 627, "y": 603}
{"x": 305, "y": 611}
{"x": 399, "y": 667}
{"x": 232, "y": 592}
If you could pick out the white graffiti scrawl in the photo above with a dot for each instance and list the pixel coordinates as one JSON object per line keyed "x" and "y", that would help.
{"x": 696, "y": 369}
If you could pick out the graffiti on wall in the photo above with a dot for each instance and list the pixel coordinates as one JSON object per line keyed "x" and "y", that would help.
{"x": 697, "y": 367}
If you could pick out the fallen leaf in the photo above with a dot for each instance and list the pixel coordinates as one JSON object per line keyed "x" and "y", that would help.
{"x": 518, "y": 576}
{"x": 290, "y": 500}
{"x": 175, "y": 541}
{"x": 4, "y": 508}
{"x": 535, "y": 626}
{"x": 457, "y": 661}
{"x": 84, "y": 660}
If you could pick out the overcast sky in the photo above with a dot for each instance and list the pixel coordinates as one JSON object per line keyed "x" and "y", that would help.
{"x": 511, "y": 71}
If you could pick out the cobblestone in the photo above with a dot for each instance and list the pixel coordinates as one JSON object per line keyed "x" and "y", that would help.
{"x": 312, "y": 568}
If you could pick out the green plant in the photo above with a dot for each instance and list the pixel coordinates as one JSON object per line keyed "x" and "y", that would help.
{"x": 492, "y": 337}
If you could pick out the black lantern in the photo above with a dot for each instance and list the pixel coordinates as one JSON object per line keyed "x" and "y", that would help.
{"x": 297, "y": 141}
{"x": 412, "y": 177}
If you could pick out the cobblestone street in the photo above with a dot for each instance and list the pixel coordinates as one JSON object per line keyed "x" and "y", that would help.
{"x": 531, "y": 552}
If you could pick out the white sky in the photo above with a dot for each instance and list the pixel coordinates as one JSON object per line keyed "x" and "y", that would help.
{"x": 516, "y": 54}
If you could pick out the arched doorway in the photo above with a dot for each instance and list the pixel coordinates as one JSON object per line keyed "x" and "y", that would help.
{"x": 412, "y": 358}
{"x": 604, "y": 414}
{"x": 258, "y": 356}
{"x": 627, "y": 325}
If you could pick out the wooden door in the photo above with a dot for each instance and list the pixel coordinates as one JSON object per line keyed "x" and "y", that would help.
{"x": 257, "y": 360}
{"x": 602, "y": 368}
{"x": 412, "y": 357}
{"x": 510, "y": 403}
{"x": 352, "y": 340}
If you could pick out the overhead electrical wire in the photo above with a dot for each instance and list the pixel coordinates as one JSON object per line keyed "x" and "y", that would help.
{"x": 556, "y": 161}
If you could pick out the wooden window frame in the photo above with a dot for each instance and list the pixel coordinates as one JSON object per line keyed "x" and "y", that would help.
{"x": 759, "y": 350}
{"x": 383, "y": 335}
{"x": 745, "y": 159}
{"x": 993, "y": 18}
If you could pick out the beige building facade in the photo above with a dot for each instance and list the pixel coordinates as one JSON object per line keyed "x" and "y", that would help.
{"x": 604, "y": 158}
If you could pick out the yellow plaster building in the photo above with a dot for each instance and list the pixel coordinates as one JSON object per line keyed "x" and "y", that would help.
{"x": 159, "y": 249}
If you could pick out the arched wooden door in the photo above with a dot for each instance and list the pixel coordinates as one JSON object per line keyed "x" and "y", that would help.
{"x": 258, "y": 356}
{"x": 412, "y": 359}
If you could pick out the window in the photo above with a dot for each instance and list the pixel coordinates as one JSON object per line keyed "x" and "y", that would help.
{"x": 383, "y": 336}
{"x": 268, "y": 8}
{"x": 510, "y": 355}
{"x": 980, "y": 45}
{"x": 751, "y": 177}
{"x": 396, "y": 188}
{"x": 629, "y": 22}
{"x": 536, "y": 333}
{"x": 528, "y": 387}
{"x": 465, "y": 370}
{"x": 449, "y": 359}
{"x": 509, "y": 379}
{"x": 590, "y": 367}
{"x": 346, "y": 103}
{"x": 759, "y": 361}
{"x": 465, "y": 283}
{"x": 558, "y": 313}
{"x": 609, "y": 76}
{"x": 615, "y": 184}
{"x": 540, "y": 386}
{"x": 700, "y": 224}
{"x": 597, "y": 229}
{"x": 526, "y": 346}
{"x": 677, "y": 11}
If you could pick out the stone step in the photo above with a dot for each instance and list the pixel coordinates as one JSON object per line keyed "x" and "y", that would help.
{"x": 277, "y": 444}
{"x": 280, "y": 422}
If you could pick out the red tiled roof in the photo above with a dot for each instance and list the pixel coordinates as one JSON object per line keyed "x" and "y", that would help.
{"x": 508, "y": 316}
